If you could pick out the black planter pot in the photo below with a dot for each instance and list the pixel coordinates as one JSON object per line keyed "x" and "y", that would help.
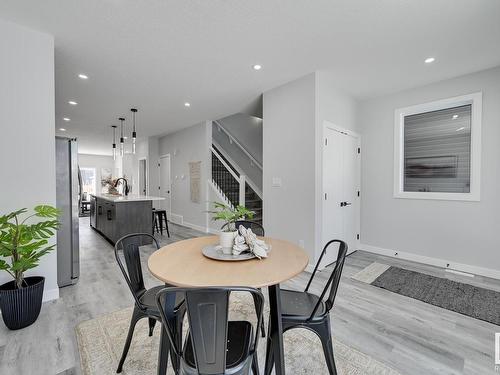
{"x": 21, "y": 307}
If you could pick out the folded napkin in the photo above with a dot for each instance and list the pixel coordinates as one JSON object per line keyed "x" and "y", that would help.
{"x": 246, "y": 240}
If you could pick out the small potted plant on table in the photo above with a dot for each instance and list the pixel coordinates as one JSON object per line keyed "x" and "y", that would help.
{"x": 229, "y": 215}
{"x": 21, "y": 247}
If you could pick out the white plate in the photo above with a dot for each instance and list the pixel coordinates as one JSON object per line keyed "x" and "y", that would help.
{"x": 215, "y": 252}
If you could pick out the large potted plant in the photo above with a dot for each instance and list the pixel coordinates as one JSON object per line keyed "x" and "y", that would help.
{"x": 229, "y": 215}
{"x": 21, "y": 246}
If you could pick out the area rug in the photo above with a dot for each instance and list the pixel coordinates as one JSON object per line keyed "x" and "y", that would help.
{"x": 466, "y": 299}
{"x": 100, "y": 343}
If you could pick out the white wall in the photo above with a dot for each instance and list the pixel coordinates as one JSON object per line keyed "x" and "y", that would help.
{"x": 98, "y": 162}
{"x": 289, "y": 154}
{"x": 458, "y": 232}
{"x": 337, "y": 107}
{"x": 188, "y": 145}
{"x": 293, "y": 137}
{"x": 27, "y": 144}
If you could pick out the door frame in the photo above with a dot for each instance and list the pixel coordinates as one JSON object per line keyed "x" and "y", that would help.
{"x": 164, "y": 156}
{"x": 334, "y": 127}
{"x": 139, "y": 173}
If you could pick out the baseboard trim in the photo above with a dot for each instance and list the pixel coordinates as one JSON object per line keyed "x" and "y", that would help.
{"x": 196, "y": 227}
{"x": 442, "y": 263}
{"x": 50, "y": 294}
{"x": 177, "y": 219}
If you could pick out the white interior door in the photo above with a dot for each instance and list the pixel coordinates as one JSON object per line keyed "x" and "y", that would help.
{"x": 165, "y": 183}
{"x": 341, "y": 184}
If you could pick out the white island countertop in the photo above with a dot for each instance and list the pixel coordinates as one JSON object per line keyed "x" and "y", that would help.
{"x": 128, "y": 198}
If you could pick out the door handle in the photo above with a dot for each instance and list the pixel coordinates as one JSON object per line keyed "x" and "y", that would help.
{"x": 343, "y": 204}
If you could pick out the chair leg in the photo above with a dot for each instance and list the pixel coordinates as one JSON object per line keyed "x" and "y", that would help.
{"x": 257, "y": 308}
{"x": 152, "y": 323}
{"x": 136, "y": 316}
{"x": 166, "y": 226}
{"x": 176, "y": 360}
{"x": 324, "y": 333}
{"x": 255, "y": 364}
{"x": 269, "y": 352}
{"x": 160, "y": 222}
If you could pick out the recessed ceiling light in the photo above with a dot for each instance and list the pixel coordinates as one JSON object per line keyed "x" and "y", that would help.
{"x": 257, "y": 67}
{"x": 83, "y": 76}
{"x": 62, "y": 129}
{"x": 72, "y": 102}
{"x": 455, "y": 117}
{"x": 429, "y": 60}
{"x": 66, "y": 119}
{"x": 187, "y": 104}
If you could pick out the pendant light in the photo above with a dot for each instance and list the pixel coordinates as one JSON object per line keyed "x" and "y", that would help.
{"x": 122, "y": 140}
{"x": 134, "y": 134}
{"x": 114, "y": 142}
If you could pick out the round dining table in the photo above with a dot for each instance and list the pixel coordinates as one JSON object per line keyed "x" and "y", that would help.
{"x": 183, "y": 264}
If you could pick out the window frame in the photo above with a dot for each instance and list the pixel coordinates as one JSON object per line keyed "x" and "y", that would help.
{"x": 475, "y": 100}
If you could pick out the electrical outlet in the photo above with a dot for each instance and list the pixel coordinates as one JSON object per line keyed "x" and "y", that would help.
{"x": 301, "y": 243}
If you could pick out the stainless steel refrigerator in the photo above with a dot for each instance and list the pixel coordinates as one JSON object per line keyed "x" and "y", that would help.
{"x": 68, "y": 191}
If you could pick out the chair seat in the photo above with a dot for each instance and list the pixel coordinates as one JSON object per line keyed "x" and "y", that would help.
{"x": 300, "y": 305}
{"x": 239, "y": 340}
{"x": 148, "y": 299}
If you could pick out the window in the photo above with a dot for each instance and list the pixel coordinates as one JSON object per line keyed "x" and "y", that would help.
{"x": 437, "y": 149}
{"x": 88, "y": 180}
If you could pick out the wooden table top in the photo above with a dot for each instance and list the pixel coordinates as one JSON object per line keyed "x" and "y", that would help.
{"x": 183, "y": 264}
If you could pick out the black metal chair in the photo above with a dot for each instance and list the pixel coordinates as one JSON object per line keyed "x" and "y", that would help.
{"x": 213, "y": 345}
{"x": 306, "y": 310}
{"x": 145, "y": 302}
{"x": 258, "y": 229}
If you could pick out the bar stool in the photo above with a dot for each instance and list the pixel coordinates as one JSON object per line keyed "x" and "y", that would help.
{"x": 158, "y": 217}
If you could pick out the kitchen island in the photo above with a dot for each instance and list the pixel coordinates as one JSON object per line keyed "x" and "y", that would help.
{"x": 115, "y": 216}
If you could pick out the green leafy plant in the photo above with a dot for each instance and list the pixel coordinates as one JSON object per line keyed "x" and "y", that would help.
{"x": 26, "y": 243}
{"x": 230, "y": 215}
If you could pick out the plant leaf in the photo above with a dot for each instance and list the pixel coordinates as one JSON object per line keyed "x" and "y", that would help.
{"x": 46, "y": 211}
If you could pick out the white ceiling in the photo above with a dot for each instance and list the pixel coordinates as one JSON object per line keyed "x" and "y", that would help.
{"x": 157, "y": 54}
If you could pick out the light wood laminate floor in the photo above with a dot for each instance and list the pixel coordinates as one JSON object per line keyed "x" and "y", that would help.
{"x": 411, "y": 336}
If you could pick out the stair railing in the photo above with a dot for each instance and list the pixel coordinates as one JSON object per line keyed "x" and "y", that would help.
{"x": 235, "y": 141}
{"x": 228, "y": 182}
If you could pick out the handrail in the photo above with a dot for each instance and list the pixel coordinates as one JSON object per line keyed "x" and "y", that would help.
{"x": 221, "y": 159}
{"x": 231, "y": 138}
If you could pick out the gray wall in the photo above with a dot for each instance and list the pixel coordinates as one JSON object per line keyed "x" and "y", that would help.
{"x": 27, "y": 144}
{"x": 247, "y": 130}
{"x": 191, "y": 144}
{"x": 293, "y": 137}
{"x": 289, "y": 144}
{"x": 462, "y": 232}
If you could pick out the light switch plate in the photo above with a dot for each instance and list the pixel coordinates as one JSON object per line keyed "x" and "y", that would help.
{"x": 276, "y": 181}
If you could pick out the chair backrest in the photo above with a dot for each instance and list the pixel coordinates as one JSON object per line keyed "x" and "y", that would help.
{"x": 257, "y": 228}
{"x": 132, "y": 271}
{"x": 334, "y": 280}
{"x": 207, "y": 311}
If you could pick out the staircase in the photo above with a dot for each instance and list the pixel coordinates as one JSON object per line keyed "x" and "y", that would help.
{"x": 233, "y": 186}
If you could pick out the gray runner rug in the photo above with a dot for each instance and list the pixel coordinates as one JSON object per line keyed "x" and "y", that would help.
{"x": 466, "y": 299}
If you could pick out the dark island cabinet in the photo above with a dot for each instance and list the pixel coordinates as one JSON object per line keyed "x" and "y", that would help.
{"x": 117, "y": 219}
